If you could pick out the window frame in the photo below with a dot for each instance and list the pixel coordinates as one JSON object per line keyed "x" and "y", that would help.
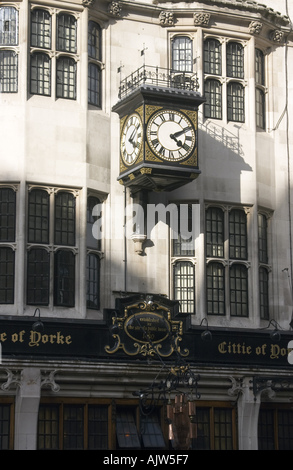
{"x": 15, "y": 25}
{"x": 37, "y": 73}
{"x": 184, "y": 60}
{"x": 11, "y": 68}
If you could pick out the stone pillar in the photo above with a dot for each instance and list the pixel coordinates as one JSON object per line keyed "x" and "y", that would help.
{"x": 248, "y": 412}
{"x": 26, "y": 409}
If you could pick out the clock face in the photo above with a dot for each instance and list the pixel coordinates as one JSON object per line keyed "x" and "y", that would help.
{"x": 171, "y": 135}
{"x": 131, "y": 139}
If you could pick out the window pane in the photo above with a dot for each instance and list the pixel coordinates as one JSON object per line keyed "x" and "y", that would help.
{"x": 7, "y": 260}
{"x": 260, "y": 108}
{"x": 7, "y": 214}
{"x": 203, "y": 429}
{"x": 93, "y": 242}
{"x": 97, "y": 427}
{"x": 64, "y": 288}
{"x": 213, "y": 104}
{"x": 48, "y": 427}
{"x": 8, "y": 72}
{"x": 237, "y": 234}
{"x": 40, "y": 74}
{"x": 65, "y": 219}
{"x": 93, "y": 281}
{"x": 266, "y": 430}
{"x": 215, "y": 289}
{"x": 8, "y": 26}
{"x": 38, "y": 277}
{"x": 38, "y": 216}
{"x": 259, "y": 67}
{"x": 238, "y": 291}
{"x": 235, "y": 60}
{"x": 73, "y": 427}
{"x": 126, "y": 430}
{"x": 236, "y": 108}
{"x": 94, "y": 41}
{"x": 4, "y": 427}
{"x": 264, "y": 293}
{"x": 151, "y": 432}
{"x": 66, "y": 78}
{"x": 215, "y": 232}
{"x": 212, "y": 56}
{"x": 94, "y": 85}
{"x": 182, "y": 54}
{"x": 66, "y": 33}
{"x": 285, "y": 429}
{"x": 223, "y": 429}
{"x": 40, "y": 28}
{"x": 184, "y": 286}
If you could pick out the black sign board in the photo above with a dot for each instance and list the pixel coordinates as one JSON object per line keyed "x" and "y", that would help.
{"x": 92, "y": 340}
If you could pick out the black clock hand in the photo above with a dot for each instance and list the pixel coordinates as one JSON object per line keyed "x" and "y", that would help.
{"x": 177, "y": 134}
{"x": 178, "y": 142}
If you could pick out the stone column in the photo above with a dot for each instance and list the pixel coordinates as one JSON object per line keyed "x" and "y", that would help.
{"x": 26, "y": 409}
{"x": 248, "y": 412}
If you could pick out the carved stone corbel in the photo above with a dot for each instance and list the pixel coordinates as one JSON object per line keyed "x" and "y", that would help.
{"x": 49, "y": 381}
{"x": 13, "y": 378}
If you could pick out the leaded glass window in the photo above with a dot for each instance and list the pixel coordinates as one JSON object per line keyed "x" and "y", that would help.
{"x": 93, "y": 281}
{"x": 8, "y": 26}
{"x": 182, "y": 54}
{"x": 7, "y": 267}
{"x": 235, "y": 60}
{"x": 216, "y": 289}
{"x": 38, "y": 277}
{"x": 7, "y": 214}
{"x": 66, "y": 78}
{"x": 64, "y": 292}
{"x": 94, "y": 84}
{"x": 235, "y": 100}
{"x": 238, "y": 290}
{"x": 40, "y": 74}
{"x": 41, "y": 28}
{"x": 215, "y": 232}
{"x": 260, "y": 106}
{"x": 237, "y": 234}
{"x": 66, "y": 33}
{"x": 184, "y": 286}
{"x": 38, "y": 216}
{"x": 8, "y": 72}
{"x": 94, "y": 41}
{"x": 64, "y": 219}
{"x": 213, "y": 104}
{"x": 212, "y": 57}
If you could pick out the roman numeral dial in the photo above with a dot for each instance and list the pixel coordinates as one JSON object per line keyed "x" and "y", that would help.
{"x": 131, "y": 139}
{"x": 171, "y": 135}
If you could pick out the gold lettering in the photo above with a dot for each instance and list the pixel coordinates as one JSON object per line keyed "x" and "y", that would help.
{"x": 3, "y": 337}
{"x": 261, "y": 350}
{"x": 35, "y": 338}
{"x": 222, "y": 348}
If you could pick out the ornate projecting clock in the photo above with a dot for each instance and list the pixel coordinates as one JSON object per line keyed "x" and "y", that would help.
{"x": 158, "y": 138}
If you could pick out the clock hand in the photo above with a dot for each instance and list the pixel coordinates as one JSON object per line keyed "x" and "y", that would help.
{"x": 177, "y": 134}
{"x": 178, "y": 142}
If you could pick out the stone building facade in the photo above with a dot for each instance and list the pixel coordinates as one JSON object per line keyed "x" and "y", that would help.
{"x": 72, "y": 253}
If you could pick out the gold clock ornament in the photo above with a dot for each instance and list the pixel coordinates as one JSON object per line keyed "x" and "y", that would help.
{"x": 131, "y": 139}
{"x": 171, "y": 135}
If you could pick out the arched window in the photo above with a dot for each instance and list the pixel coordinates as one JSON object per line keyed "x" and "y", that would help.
{"x": 215, "y": 289}
{"x": 40, "y": 74}
{"x": 213, "y": 94}
{"x": 66, "y": 78}
{"x": 184, "y": 286}
{"x": 235, "y": 60}
{"x": 8, "y": 26}
{"x": 66, "y": 33}
{"x": 236, "y": 102}
{"x": 212, "y": 56}
{"x": 182, "y": 57}
{"x": 40, "y": 28}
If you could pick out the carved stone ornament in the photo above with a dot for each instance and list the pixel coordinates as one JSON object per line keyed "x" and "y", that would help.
{"x": 114, "y": 8}
{"x": 49, "y": 381}
{"x": 255, "y": 27}
{"x": 277, "y": 36}
{"x": 88, "y": 3}
{"x": 166, "y": 18}
{"x": 201, "y": 19}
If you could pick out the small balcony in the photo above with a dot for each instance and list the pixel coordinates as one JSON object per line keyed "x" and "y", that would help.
{"x": 158, "y": 77}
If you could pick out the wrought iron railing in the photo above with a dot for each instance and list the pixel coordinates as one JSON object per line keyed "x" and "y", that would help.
{"x": 160, "y": 77}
